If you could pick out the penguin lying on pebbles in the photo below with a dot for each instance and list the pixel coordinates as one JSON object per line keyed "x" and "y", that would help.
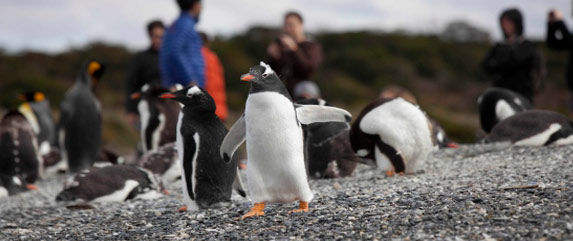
{"x": 158, "y": 117}
{"x": 271, "y": 126}
{"x": 533, "y": 128}
{"x": 328, "y": 153}
{"x": 10, "y": 186}
{"x": 19, "y": 154}
{"x": 207, "y": 179}
{"x": 496, "y": 104}
{"x": 394, "y": 133}
{"x": 80, "y": 126}
{"x": 162, "y": 162}
{"x": 113, "y": 183}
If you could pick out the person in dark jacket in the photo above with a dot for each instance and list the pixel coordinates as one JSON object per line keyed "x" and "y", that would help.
{"x": 144, "y": 69}
{"x": 292, "y": 56}
{"x": 515, "y": 63}
{"x": 559, "y": 38}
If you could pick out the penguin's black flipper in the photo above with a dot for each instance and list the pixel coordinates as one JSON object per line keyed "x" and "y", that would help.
{"x": 238, "y": 184}
{"x": 308, "y": 114}
{"x": 234, "y": 138}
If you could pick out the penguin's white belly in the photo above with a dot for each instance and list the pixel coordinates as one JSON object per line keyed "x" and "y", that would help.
{"x": 402, "y": 126}
{"x": 276, "y": 170}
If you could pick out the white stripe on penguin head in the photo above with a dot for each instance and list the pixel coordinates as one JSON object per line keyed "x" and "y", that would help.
{"x": 193, "y": 91}
{"x": 268, "y": 69}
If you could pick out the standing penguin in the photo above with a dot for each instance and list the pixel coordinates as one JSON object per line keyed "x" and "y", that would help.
{"x": 533, "y": 128}
{"x": 36, "y": 109}
{"x": 496, "y": 104}
{"x": 158, "y": 117}
{"x": 207, "y": 179}
{"x": 79, "y": 130}
{"x": 19, "y": 154}
{"x": 271, "y": 126}
{"x": 394, "y": 133}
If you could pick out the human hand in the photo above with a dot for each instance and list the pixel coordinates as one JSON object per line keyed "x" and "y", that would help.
{"x": 289, "y": 42}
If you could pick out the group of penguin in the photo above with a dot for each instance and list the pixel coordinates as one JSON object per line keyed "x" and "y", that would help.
{"x": 286, "y": 141}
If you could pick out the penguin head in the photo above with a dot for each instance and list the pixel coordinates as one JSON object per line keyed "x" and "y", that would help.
{"x": 92, "y": 71}
{"x": 148, "y": 92}
{"x": 32, "y": 96}
{"x": 192, "y": 97}
{"x": 263, "y": 78}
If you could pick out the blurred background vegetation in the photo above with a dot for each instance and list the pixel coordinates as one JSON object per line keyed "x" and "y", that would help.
{"x": 442, "y": 70}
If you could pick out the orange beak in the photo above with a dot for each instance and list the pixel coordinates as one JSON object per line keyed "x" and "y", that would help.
{"x": 135, "y": 96}
{"x": 31, "y": 187}
{"x": 453, "y": 145}
{"x": 247, "y": 77}
{"x": 167, "y": 96}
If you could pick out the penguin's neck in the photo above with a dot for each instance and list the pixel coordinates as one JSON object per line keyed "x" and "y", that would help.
{"x": 198, "y": 114}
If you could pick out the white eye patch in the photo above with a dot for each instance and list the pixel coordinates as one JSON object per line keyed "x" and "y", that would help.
{"x": 268, "y": 69}
{"x": 193, "y": 91}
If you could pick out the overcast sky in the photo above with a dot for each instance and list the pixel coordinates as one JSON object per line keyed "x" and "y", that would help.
{"x": 55, "y": 25}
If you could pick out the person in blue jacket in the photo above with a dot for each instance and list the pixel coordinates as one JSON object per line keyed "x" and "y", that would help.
{"x": 180, "y": 58}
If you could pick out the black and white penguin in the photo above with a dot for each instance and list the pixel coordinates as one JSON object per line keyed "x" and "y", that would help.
{"x": 207, "y": 179}
{"x": 393, "y": 132}
{"x": 162, "y": 162}
{"x": 10, "y": 186}
{"x": 114, "y": 183}
{"x": 36, "y": 109}
{"x": 496, "y": 104}
{"x": 158, "y": 117}
{"x": 271, "y": 126}
{"x": 328, "y": 153}
{"x": 533, "y": 128}
{"x": 19, "y": 154}
{"x": 440, "y": 137}
{"x": 80, "y": 127}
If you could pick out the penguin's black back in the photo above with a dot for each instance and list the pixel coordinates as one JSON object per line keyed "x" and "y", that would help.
{"x": 18, "y": 148}
{"x": 360, "y": 140}
{"x": 81, "y": 122}
{"x": 489, "y": 100}
{"x": 214, "y": 176}
{"x": 43, "y": 113}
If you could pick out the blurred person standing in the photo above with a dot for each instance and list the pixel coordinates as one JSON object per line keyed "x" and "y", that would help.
{"x": 214, "y": 78}
{"x": 292, "y": 56}
{"x": 144, "y": 69}
{"x": 559, "y": 38}
{"x": 180, "y": 58}
{"x": 515, "y": 63}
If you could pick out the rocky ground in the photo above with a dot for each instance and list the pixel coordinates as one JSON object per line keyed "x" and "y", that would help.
{"x": 471, "y": 193}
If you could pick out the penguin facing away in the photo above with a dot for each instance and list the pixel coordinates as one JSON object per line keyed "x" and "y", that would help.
{"x": 158, "y": 117}
{"x": 114, "y": 183}
{"x": 271, "y": 126}
{"x": 533, "y": 128}
{"x": 207, "y": 179}
{"x": 394, "y": 133}
{"x": 497, "y": 104}
{"x": 19, "y": 154}
{"x": 80, "y": 127}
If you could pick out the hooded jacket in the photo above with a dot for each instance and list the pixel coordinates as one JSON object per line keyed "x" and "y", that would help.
{"x": 565, "y": 42}
{"x": 517, "y": 65}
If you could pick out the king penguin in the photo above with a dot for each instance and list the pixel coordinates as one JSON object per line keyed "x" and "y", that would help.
{"x": 496, "y": 104}
{"x": 36, "y": 109}
{"x": 19, "y": 154}
{"x": 79, "y": 130}
{"x": 207, "y": 179}
{"x": 393, "y": 132}
{"x": 158, "y": 117}
{"x": 271, "y": 126}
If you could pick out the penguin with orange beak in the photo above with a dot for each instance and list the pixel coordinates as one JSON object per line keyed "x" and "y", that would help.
{"x": 80, "y": 127}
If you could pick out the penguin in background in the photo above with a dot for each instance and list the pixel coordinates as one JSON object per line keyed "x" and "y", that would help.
{"x": 158, "y": 117}
{"x": 36, "y": 109}
{"x": 19, "y": 153}
{"x": 271, "y": 126}
{"x": 162, "y": 162}
{"x": 207, "y": 179}
{"x": 440, "y": 137}
{"x": 80, "y": 127}
{"x": 533, "y": 128}
{"x": 497, "y": 104}
{"x": 393, "y": 132}
{"x": 11, "y": 185}
{"x": 328, "y": 153}
{"x": 114, "y": 183}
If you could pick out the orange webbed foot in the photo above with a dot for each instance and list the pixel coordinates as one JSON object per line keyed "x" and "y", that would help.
{"x": 303, "y": 208}
{"x": 183, "y": 209}
{"x": 257, "y": 210}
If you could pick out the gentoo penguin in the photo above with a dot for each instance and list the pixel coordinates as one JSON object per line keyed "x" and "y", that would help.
{"x": 271, "y": 126}
{"x": 440, "y": 137}
{"x": 10, "y": 185}
{"x": 393, "y": 132}
{"x": 207, "y": 179}
{"x": 114, "y": 183}
{"x": 36, "y": 109}
{"x": 328, "y": 153}
{"x": 162, "y": 162}
{"x": 79, "y": 130}
{"x": 19, "y": 154}
{"x": 533, "y": 128}
{"x": 158, "y": 117}
{"x": 496, "y": 104}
